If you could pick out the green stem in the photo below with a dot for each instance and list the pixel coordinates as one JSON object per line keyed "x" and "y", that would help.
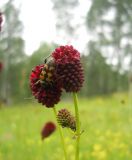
{"x": 61, "y": 135}
{"x": 77, "y": 125}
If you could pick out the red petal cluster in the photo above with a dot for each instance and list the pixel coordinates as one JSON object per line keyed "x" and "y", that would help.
{"x": 65, "y": 54}
{"x": 34, "y": 79}
{"x": 69, "y": 68}
{"x": 48, "y": 94}
{"x": 1, "y": 66}
{"x": 47, "y": 130}
{"x": 1, "y": 20}
{"x": 63, "y": 71}
{"x": 71, "y": 75}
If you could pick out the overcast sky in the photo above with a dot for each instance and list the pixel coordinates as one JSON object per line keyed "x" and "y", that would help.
{"x": 39, "y": 23}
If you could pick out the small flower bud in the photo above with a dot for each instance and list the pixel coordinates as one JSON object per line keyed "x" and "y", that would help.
{"x": 65, "y": 119}
{"x": 47, "y": 129}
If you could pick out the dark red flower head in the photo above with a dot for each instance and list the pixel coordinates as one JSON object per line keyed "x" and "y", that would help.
{"x": 69, "y": 68}
{"x": 65, "y": 54}
{"x": 44, "y": 85}
{"x": 1, "y": 66}
{"x": 1, "y": 20}
{"x": 48, "y": 129}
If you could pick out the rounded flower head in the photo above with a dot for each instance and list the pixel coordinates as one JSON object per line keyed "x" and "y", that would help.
{"x": 48, "y": 129}
{"x": 65, "y": 54}
{"x": 1, "y": 66}
{"x": 69, "y": 68}
{"x": 65, "y": 119}
{"x": 43, "y": 85}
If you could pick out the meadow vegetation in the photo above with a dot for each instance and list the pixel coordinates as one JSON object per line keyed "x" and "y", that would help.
{"x": 105, "y": 120}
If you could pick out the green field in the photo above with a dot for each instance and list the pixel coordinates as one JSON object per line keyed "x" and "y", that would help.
{"x": 105, "y": 121}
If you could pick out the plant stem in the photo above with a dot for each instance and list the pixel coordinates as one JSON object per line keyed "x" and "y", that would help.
{"x": 77, "y": 125}
{"x": 61, "y": 135}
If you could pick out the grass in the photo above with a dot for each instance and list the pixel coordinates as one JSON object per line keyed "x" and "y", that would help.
{"x": 105, "y": 120}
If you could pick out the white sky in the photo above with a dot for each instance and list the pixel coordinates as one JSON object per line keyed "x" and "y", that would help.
{"x": 39, "y": 23}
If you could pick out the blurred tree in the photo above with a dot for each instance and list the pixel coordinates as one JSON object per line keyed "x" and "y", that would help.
{"x": 64, "y": 10}
{"x": 41, "y": 53}
{"x": 11, "y": 49}
{"x": 100, "y": 78}
{"x": 111, "y": 22}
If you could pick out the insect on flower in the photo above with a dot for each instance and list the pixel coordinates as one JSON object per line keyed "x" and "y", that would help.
{"x": 47, "y": 73}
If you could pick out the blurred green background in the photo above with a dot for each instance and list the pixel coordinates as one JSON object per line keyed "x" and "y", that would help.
{"x": 105, "y": 99}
